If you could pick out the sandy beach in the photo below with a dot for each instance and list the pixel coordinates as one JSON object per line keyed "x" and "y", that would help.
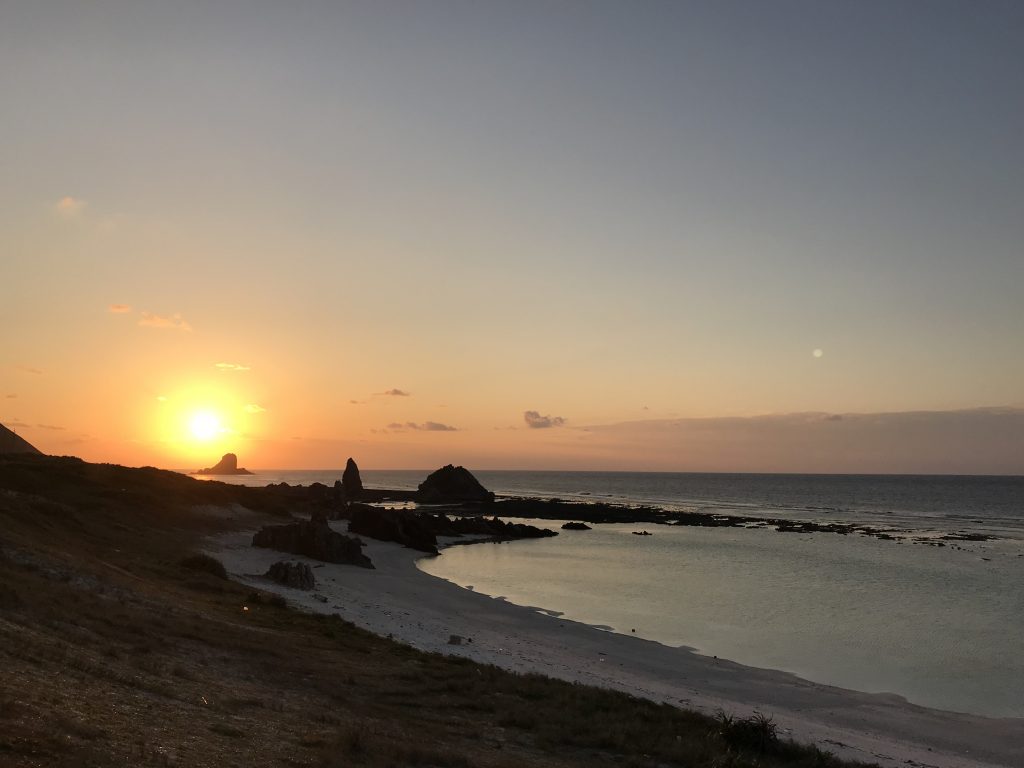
{"x": 398, "y": 600}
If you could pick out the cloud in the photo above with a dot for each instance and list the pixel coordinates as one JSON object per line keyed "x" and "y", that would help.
{"x": 152, "y": 320}
{"x": 354, "y": 402}
{"x": 69, "y": 206}
{"x": 231, "y": 367}
{"x": 534, "y": 420}
{"x": 426, "y": 426}
{"x": 119, "y": 309}
{"x": 161, "y": 399}
{"x": 253, "y": 408}
{"x": 17, "y": 425}
{"x": 50, "y": 426}
{"x": 10, "y": 396}
{"x": 396, "y": 393}
{"x": 30, "y": 369}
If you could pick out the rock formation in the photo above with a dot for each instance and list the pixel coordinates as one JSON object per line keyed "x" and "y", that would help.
{"x": 10, "y": 442}
{"x": 313, "y": 538}
{"x": 292, "y": 574}
{"x": 228, "y": 465}
{"x": 576, "y": 527}
{"x": 419, "y": 530}
{"x": 351, "y": 483}
{"x": 450, "y": 484}
{"x": 408, "y": 528}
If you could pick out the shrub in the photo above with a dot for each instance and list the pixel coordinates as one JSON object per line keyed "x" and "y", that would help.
{"x": 206, "y": 564}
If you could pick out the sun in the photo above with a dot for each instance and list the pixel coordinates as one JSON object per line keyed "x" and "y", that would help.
{"x": 205, "y": 425}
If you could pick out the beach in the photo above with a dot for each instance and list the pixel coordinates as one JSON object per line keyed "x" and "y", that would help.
{"x": 397, "y": 600}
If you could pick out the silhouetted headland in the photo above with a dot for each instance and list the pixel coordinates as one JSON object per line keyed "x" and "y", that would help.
{"x": 11, "y": 442}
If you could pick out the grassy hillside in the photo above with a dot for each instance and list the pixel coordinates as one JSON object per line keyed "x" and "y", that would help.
{"x": 120, "y": 646}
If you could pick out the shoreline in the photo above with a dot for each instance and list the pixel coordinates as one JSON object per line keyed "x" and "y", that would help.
{"x": 399, "y": 601}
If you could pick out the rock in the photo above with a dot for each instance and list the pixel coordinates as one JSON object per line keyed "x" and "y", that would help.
{"x": 455, "y": 640}
{"x": 576, "y": 527}
{"x": 228, "y": 465}
{"x": 450, "y": 483}
{"x": 291, "y": 574}
{"x": 641, "y": 533}
{"x": 351, "y": 483}
{"x": 411, "y": 529}
{"x": 313, "y": 538}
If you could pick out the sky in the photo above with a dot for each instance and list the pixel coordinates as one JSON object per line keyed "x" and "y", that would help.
{"x": 574, "y": 235}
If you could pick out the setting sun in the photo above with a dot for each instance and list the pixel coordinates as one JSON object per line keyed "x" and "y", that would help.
{"x": 205, "y": 425}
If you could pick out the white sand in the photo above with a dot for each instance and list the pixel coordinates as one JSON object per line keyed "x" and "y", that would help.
{"x": 400, "y": 601}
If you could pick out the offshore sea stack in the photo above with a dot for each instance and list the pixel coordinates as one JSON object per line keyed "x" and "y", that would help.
{"x": 351, "y": 483}
{"x": 313, "y": 538}
{"x": 228, "y": 465}
{"x": 452, "y": 484}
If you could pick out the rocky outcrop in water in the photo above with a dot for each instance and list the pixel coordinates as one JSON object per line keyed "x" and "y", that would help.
{"x": 313, "y": 538}
{"x": 576, "y": 527}
{"x": 228, "y": 465}
{"x": 452, "y": 484}
{"x": 292, "y": 574}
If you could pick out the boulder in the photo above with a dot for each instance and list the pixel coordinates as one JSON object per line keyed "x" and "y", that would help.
{"x": 292, "y": 574}
{"x": 351, "y": 483}
{"x": 228, "y": 465}
{"x": 313, "y": 538}
{"x": 450, "y": 484}
{"x": 576, "y": 527}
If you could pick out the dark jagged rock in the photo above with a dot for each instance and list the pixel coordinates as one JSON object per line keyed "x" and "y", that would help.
{"x": 228, "y": 465}
{"x": 11, "y": 442}
{"x": 451, "y": 484}
{"x": 408, "y": 528}
{"x": 313, "y": 538}
{"x": 576, "y": 527}
{"x": 291, "y": 574}
{"x": 351, "y": 483}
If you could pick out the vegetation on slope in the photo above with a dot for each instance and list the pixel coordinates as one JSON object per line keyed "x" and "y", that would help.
{"x": 122, "y": 645}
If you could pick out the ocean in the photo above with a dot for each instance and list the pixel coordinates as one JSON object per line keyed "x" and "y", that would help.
{"x": 941, "y": 626}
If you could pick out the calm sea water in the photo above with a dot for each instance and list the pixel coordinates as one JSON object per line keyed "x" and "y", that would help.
{"x": 943, "y": 627}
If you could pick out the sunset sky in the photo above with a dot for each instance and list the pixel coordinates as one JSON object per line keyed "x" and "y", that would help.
{"x": 670, "y": 236}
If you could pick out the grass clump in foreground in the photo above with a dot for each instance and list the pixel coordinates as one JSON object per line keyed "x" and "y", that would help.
{"x": 121, "y": 646}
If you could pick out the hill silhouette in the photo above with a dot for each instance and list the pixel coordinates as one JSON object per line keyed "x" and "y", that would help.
{"x": 14, "y": 443}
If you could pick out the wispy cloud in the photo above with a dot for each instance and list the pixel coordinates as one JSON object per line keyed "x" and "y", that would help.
{"x": 534, "y": 420}
{"x": 50, "y": 426}
{"x": 253, "y": 408}
{"x": 231, "y": 367}
{"x": 30, "y": 369}
{"x": 119, "y": 309}
{"x": 69, "y": 206}
{"x": 151, "y": 320}
{"x": 426, "y": 426}
{"x": 11, "y": 396}
{"x": 396, "y": 393}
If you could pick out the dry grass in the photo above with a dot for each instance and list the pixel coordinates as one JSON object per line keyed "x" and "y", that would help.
{"x": 120, "y": 647}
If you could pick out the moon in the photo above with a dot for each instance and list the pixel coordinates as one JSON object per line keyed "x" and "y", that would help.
{"x": 818, "y": 353}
